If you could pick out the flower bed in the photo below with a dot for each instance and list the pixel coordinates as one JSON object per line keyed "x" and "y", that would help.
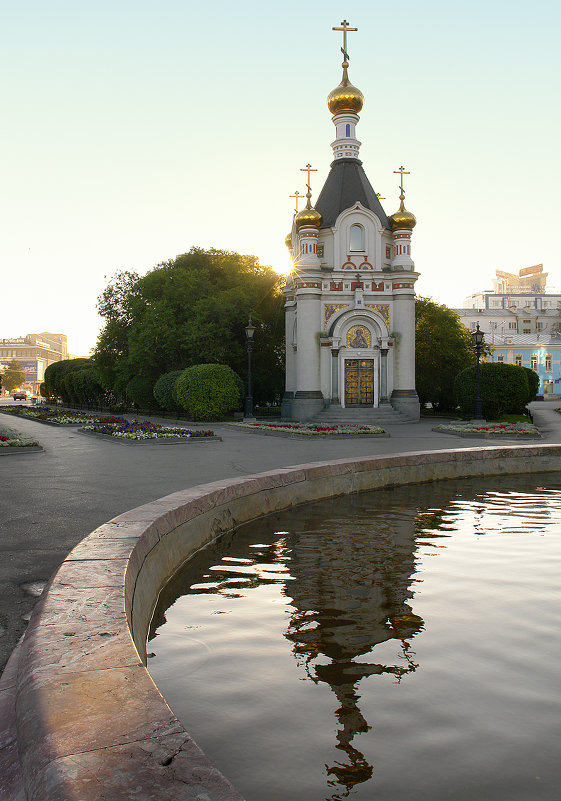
{"x": 138, "y": 431}
{"x": 514, "y": 430}
{"x": 9, "y": 438}
{"x": 60, "y": 417}
{"x": 304, "y": 430}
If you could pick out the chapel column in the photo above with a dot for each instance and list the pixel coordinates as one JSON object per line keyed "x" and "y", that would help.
{"x": 335, "y": 376}
{"x": 384, "y": 375}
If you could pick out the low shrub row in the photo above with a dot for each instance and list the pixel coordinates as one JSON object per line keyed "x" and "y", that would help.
{"x": 204, "y": 391}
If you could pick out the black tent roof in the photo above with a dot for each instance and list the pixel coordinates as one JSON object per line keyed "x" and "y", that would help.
{"x": 345, "y": 185}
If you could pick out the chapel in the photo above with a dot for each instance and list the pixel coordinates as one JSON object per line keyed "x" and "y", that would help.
{"x": 350, "y": 295}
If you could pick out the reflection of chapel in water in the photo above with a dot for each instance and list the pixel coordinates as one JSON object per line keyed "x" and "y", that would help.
{"x": 350, "y": 570}
{"x": 350, "y": 593}
{"x": 350, "y": 296}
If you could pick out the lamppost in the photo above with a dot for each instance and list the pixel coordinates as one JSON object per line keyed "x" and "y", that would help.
{"x": 478, "y": 338}
{"x": 249, "y": 332}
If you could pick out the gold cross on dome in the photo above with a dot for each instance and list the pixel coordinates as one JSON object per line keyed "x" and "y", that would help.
{"x": 297, "y": 196}
{"x": 308, "y": 168}
{"x": 345, "y": 30}
{"x": 402, "y": 171}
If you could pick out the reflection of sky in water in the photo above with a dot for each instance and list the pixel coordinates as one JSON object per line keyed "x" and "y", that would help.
{"x": 350, "y": 577}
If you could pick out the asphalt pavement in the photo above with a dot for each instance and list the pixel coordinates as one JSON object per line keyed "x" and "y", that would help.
{"x": 51, "y": 500}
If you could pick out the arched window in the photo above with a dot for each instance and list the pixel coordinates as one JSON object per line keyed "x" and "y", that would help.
{"x": 348, "y": 130}
{"x": 356, "y": 237}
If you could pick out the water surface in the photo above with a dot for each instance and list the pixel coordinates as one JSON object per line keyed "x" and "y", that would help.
{"x": 397, "y": 644}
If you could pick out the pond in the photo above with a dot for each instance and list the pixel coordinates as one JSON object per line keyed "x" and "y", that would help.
{"x": 396, "y": 644}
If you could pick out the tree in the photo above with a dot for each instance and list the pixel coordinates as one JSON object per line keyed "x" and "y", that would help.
{"x": 193, "y": 310}
{"x": 443, "y": 347}
{"x": 13, "y": 376}
{"x": 114, "y": 304}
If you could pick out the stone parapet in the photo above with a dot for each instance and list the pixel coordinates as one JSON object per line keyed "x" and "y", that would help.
{"x": 88, "y": 722}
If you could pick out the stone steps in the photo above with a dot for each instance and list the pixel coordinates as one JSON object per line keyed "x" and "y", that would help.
{"x": 381, "y": 415}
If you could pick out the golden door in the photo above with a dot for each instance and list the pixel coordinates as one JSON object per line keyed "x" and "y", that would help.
{"x": 359, "y": 382}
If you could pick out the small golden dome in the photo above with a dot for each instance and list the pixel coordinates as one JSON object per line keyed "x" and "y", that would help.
{"x": 402, "y": 219}
{"x": 345, "y": 97}
{"x": 308, "y": 218}
{"x": 288, "y": 241}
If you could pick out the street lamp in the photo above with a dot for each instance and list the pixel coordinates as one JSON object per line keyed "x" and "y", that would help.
{"x": 478, "y": 338}
{"x": 249, "y": 332}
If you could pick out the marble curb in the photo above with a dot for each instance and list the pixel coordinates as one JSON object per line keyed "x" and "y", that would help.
{"x": 297, "y": 435}
{"x": 152, "y": 441}
{"x": 11, "y": 779}
{"x": 488, "y": 435}
{"x": 87, "y": 722}
{"x": 12, "y": 450}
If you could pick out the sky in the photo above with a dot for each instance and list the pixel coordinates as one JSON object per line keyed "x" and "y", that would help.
{"x": 135, "y": 129}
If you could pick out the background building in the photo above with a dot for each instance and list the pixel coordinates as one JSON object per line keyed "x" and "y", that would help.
{"x": 522, "y": 323}
{"x": 518, "y": 296}
{"x": 34, "y": 352}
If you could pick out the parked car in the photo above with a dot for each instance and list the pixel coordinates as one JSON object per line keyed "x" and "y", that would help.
{"x": 19, "y": 396}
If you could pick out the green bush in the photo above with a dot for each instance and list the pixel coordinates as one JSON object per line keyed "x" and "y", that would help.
{"x": 140, "y": 392}
{"x": 85, "y": 386}
{"x": 67, "y": 390}
{"x": 503, "y": 389}
{"x": 164, "y": 391}
{"x": 208, "y": 391}
{"x": 533, "y": 384}
{"x": 82, "y": 386}
{"x": 56, "y": 374}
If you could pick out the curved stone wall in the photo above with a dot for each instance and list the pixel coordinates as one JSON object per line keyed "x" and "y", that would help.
{"x": 83, "y": 720}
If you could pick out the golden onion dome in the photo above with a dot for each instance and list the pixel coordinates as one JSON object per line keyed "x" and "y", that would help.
{"x": 308, "y": 218}
{"x": 402, "y": 219}
{"x": 288, "y": 241}
{"x": 345, "y": 97}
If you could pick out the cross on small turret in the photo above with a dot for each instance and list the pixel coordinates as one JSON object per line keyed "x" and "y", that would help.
{"x": 345, "y": 30}
{"x": 308, "y": 168}
{"x": 402, "y": 171}
{"x": 297, "y": 195}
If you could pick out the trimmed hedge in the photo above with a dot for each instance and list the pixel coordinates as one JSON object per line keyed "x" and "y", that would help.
{"x": 164, "y": 391}
{"x": 58, "y": 383}
{"x": 504, "y": 389}
{"x": 140, "y": 392}
{"x": 208, "y": 391}
{"x": 83, "y": 386}
{"x": 533, "y": 384}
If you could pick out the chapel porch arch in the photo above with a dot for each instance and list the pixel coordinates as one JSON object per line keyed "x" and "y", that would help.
{"x": 359, "y": 364}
